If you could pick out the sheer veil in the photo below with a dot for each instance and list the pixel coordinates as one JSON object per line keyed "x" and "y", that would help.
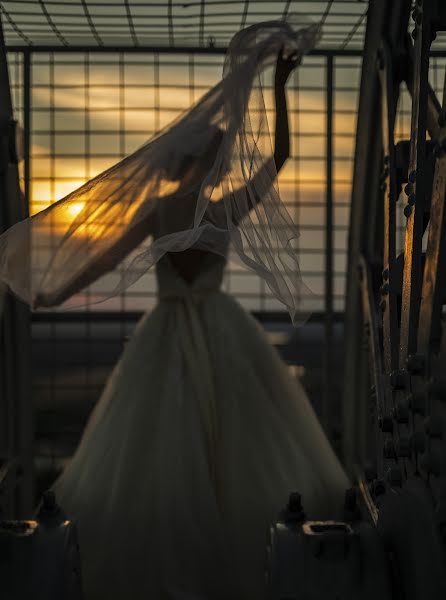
{"x": 217, "y": 158}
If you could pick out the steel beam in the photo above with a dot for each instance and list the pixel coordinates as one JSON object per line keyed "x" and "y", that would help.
{"x": 387, "y": 19}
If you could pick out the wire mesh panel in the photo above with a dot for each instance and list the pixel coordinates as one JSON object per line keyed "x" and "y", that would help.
{"x": 89, "y": 110}
{"x": 171, "y": 23}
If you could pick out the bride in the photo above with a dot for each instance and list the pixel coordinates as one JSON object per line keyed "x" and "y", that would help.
{"x": 201, "y": 433}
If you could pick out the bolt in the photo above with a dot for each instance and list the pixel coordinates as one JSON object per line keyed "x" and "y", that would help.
{"x": 384, "y": 174}
{"x": 412, "y": 176}
{"x": 294, "y": 511}
{"x": 295, "y": 502}
{"x": 386, "y": 273}
{"x": 384, "y": 289}
{"x": 408, "y": 189}
{"x": 407, "y": 210}
{"x": 414, "y": 34}
{"x": 411, "y": 199}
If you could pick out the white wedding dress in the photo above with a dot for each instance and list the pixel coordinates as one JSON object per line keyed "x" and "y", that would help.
{"x": 195, "y": 445}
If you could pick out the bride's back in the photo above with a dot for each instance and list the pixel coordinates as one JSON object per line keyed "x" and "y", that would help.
{"x": 189, "y": 263}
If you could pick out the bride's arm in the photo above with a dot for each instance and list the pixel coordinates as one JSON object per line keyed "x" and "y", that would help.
{"x": 101, "y": 265}
{"x": 282, "y": 132}
{"x": 282, "y": 135}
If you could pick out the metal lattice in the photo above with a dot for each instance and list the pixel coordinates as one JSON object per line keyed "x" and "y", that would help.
{"x": 172, "y": 24}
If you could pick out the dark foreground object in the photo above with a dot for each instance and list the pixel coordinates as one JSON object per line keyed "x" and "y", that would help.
{"x": 39, "y": 559}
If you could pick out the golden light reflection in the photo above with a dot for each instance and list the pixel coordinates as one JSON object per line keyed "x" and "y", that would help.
{"x": 74, "y": 209}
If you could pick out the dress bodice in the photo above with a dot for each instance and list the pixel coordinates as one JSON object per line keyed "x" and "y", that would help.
{"x": 172, "y": 285}
{"x": 192, "y": 272}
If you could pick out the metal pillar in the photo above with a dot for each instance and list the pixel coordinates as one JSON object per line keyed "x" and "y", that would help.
{"x": 15, "y": 396}
{"x": 328, "y": 399}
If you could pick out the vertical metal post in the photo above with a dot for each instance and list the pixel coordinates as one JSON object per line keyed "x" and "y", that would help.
{"x": 26, "y": 127}
{"x": 25, "y": 421}
{"x": 327, "y": 402}
{"x": 156, "y": 82}
{"x": 16, "y": 439}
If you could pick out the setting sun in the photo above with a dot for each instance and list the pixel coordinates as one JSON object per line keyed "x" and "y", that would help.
{"x": 75, "y": 208}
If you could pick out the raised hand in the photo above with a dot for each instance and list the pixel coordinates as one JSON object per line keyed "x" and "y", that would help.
{"x": 284, "y": 66}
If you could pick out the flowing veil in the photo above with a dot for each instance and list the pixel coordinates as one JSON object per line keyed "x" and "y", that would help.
{"x": 223, "y": 145}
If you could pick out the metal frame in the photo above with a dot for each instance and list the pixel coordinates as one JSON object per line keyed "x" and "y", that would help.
{"x": 197, "y": 24}
{"x": 403, "y": 295}
{"x": 391, "y": 18}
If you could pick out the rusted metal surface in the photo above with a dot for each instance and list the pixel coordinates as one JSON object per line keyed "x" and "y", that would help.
{"x": 388, "y": 289}
{"x": 414, "y": 208}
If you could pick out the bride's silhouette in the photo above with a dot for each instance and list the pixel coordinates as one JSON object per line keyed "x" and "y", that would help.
{"x": 201, "y": 433}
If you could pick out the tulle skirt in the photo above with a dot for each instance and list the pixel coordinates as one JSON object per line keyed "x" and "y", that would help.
{"x": 158, "y": 517}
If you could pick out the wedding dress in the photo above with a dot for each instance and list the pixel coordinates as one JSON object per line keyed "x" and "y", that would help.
{"x": 195, "y": 445}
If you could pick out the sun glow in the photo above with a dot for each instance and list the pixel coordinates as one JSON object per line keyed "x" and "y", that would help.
{"x": 74, "y": 209}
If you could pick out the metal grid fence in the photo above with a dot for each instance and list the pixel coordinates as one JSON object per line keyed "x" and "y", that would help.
{"x": 171, "y": 23}
{"x": 88, "y": 110}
